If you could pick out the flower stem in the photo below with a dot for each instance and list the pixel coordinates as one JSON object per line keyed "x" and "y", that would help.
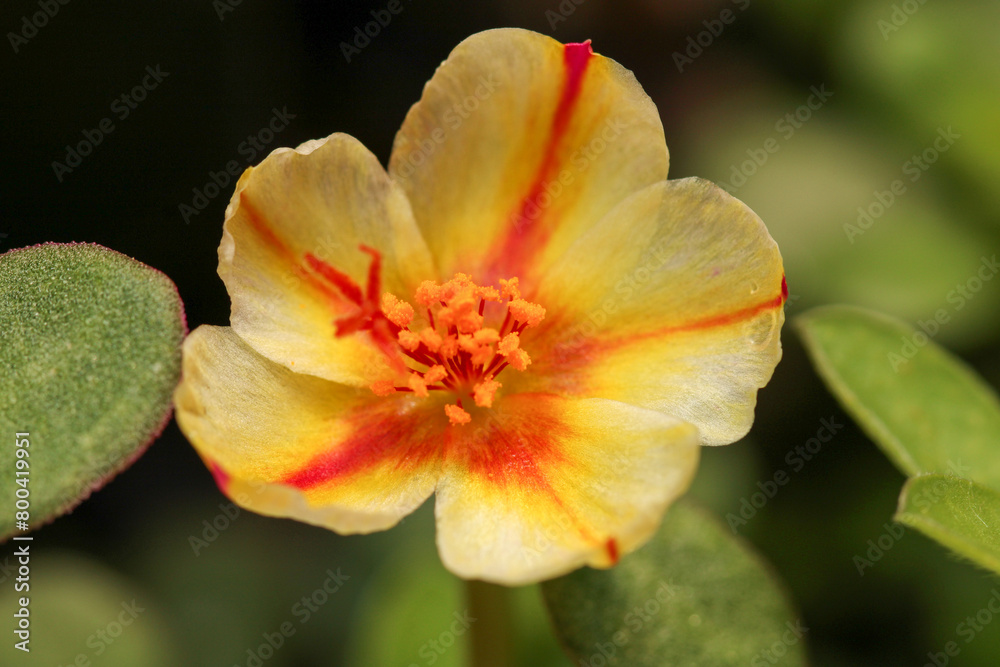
{"x": 490, "y": 634}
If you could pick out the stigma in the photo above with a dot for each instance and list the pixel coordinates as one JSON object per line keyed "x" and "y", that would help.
{"x": 464, "y": 337}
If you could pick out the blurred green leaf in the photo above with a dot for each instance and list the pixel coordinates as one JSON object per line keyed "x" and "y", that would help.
{"x": 89, "y": 356}
{"x": 926, "y": 409}
{"x": 412, "y": 599}
{"x": 826, "y": 194}
{"x": 695, "y": 595}
{"x": 934, "y": 64}
{"x": 958, "y": 513}
{"x": 80, "y": 608}
{"x": 804, "y": 24}
{"x": 725, "y": 474}
{"x": 413, "y": 613}
{"x": 534, "y": 642}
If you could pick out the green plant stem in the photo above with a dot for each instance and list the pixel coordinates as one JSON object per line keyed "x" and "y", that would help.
{"x": 490, "y": 634}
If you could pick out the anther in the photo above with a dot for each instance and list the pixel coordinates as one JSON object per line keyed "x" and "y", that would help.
{"x": 459, "y": 353}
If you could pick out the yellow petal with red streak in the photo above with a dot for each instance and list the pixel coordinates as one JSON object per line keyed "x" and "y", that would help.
{"x": 518, "y": 145}
{"x": 674, "y": 302}
{"x": 294, "y": 224}
{"x": 292, "y": 445}
{"x": 542, "y": 485}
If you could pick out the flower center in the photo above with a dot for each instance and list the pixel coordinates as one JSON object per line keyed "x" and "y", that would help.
{"x": 455, "y": 351}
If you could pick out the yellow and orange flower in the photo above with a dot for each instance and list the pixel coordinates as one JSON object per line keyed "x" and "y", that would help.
{"x": 522, "y": 316}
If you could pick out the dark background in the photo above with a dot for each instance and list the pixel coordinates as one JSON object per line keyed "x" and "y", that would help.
{"x": 893, "y": 90}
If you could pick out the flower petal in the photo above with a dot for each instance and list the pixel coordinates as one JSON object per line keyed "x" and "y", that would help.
{"x": 291, "y": 256}
{"x": 293, "y": 445}
{"x": 548, "y": 484}
{"x": 672, "y": 303}
{"x": 519, "y": 144}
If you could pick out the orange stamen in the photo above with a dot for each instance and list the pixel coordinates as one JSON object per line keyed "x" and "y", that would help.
{"x": 383, "y": 388}
{"x": 408, "y": 340}
{"x": 428, "y": 294}
{"x": 510, "y": 289}
{"x": 432, "y": 339}
{"x": 526, "y": 313}
{"x": 460, "y": 353}
{"x": 510, "y": 347}
{"x": 485, "y": 391}
{"x": 418, "y": 384}
{"x": 398, "y": 312}
{"x": 435, "y": 373}
{"x": 457, "y": 415}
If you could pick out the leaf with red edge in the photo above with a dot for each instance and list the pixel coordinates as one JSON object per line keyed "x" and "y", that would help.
{"x": 89, "y": 357}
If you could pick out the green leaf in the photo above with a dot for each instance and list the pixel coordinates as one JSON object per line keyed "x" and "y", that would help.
{"x": 901, "y": 254}
{"x": 534, "y": 643}
{"x": 927, "y": 410}
{"x": 413, "y": 612}
{"x": 694, "y": 595}
{"x": 958, "y": 513}
{"x": 82, "y": 613}
{"x": 425, "y": 610}
{"x": 89, "y": 357}
{"x": 940, "y": 69}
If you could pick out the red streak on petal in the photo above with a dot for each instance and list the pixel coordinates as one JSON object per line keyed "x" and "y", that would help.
{"x": 508, "y": 447}
{"x": 379, "y": 435}
{"x": 711, "y": 322}
{"x": 568, "y": 357}
{"x": 526, "y": 234}
{"x": 256, "y": 221}
{"x": 221, "y": 476}
{"x": 513, "y": 450}
{"x": 576, "y": 57}
{"x": 338, "y": 279}
{"x": 271, "y": 239}
{"x": 374, "y": 293}
{"x": 724, "y": 318}
{"x": 612, "y": 548}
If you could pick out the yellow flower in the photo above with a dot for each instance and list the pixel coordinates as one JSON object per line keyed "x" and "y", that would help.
{"x": 523, "y": 317}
